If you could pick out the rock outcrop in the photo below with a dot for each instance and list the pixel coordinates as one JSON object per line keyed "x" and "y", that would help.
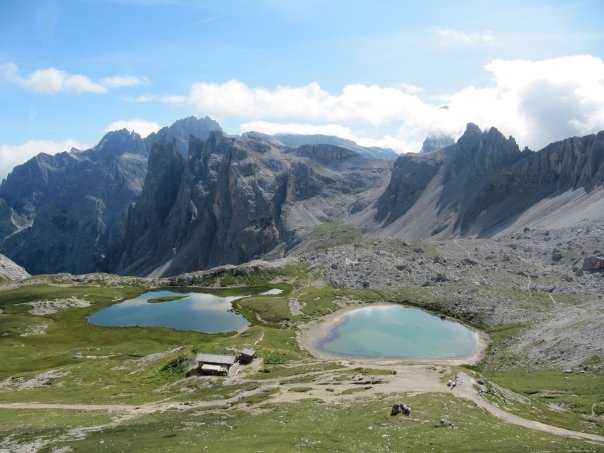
{"x": 63, "y": 212}
{"x": 435, "y": 142}
{"x": 9, "y": 270}
{"x": 482, "y": 184}
{"x": 235, "y": 199}
{"x": 190, "y": 197}
{"x": 296, "y": 140}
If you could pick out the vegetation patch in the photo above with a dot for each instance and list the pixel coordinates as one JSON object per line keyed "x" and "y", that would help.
{"x": 157, "y": 300}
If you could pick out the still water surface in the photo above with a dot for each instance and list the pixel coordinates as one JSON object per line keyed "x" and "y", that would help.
{"x": 396, "y": 332}
{"x": 192, "y": 311}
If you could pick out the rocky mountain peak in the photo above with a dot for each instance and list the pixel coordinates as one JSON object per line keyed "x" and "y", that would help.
{"x": 183, "y": 129}
{"x": 436, "y": 141}
{"x": 120, "y": 141}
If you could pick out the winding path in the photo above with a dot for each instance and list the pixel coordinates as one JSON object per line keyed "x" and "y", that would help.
{"x": 407, "y": 379}
{"x": 466, "y": 390}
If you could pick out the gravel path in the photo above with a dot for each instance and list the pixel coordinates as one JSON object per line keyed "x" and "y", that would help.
{"x": 402, "y": 379}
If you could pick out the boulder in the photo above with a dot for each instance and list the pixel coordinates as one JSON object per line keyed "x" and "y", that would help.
{"x": 445, "y": 423}
{"x": 593, "y": 263}
{"x": 400, "y": 408}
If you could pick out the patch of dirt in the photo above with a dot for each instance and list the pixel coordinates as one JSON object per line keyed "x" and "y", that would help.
{"x": 295, "y": 307}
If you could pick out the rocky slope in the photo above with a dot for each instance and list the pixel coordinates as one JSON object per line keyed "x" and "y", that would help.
{"x": 483, "y": 184}
{"x": 235, "y": 199}
{"x": 215, "y": 199}
{"x": 546, "y": 280}
{"x": 295, "y": 140}
{"x": 9, "y": 270}
{"x": 63, "y": 211}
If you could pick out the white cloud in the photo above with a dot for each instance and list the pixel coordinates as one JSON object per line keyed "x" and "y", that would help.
{"x": 53, "y": 80}
{"x": 370, "y": 104}
{"x": 457, "y": 35}
{"x": 140, "y": 126}
{"x": 124, "y": 81}
{"x": 535, "y": 101}
{"x": 12, "y": 155}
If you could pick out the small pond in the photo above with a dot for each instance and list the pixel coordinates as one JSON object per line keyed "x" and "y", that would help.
{"x": 396, "y": 332}
{"x": 201, "y": 312}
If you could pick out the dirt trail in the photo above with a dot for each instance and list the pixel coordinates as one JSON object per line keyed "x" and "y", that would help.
{"x": 466, "y": 390}
{"x": 401, "y": 379}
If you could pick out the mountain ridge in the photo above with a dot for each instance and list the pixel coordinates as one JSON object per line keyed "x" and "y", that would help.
{"x": 144, "y": 206}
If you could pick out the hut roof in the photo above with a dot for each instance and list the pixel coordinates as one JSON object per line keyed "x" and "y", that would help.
{"x": 216, "y": 359}
{"x": 248, "y": 352}
{"x": 208, "y": 367}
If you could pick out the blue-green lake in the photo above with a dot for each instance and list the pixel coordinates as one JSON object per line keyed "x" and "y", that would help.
{"x": 201, "y": 312}
{"x": 396, "y": 332}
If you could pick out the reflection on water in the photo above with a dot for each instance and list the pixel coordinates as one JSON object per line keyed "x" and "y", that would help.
{"x": 195, "y": 311}
{"x": 398, "y": 332}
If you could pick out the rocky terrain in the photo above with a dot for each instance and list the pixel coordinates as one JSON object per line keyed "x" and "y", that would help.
{"x": 190, "y": 197}
{"x": 235, "y": 199}
{"x": 11, "y": 271}
{"x": 483, "y": 185}
{"x": 62, "y": 212}
{"x": 550, "y": 280}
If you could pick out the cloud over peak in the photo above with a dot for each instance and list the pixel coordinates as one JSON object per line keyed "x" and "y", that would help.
{"x": 535, "y": 101}
{"x": 12, "y": 155}
{"x": 140, "y": 126}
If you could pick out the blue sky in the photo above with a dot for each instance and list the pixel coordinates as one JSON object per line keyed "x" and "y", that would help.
{"x": 376, "y": 72}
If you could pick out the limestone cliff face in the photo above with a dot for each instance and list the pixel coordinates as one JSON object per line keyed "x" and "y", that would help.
{"x": 190, "y": 197}
{"x": 74, "y": 203}
{"x": 67, "y": 209}
{"x": 237, "y": 199}
{"x": 569, "y": 165}
{"x": 481, "y": 184}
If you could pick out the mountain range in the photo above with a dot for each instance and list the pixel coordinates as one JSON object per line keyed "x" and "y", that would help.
{"x": 191, "y": 197}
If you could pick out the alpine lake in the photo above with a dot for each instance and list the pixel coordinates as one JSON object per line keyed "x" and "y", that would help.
{"x": 396, "y": 332}
{"x": 374, "y": 332}
{"x": 180, "y": 310}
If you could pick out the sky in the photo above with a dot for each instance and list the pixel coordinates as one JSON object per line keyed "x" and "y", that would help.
{"x": 383, "y": 73}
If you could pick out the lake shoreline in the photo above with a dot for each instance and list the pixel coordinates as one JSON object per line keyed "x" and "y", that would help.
{"x": 311, "y": 334}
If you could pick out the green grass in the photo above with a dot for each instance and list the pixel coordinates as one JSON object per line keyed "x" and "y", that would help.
{"x": 277, "y": 277}
{"x": 313, "y": 425}
{"x": 103, "y": 365}
{"x": 100, "y": 364}
{"x": 270, "y": 310}
{"x": 157, "y": 300}
{"x": 577, "y": 395}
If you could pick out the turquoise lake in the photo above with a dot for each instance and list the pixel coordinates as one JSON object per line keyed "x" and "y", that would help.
{"x": 395, "y": 332}
{"x": 200, "y": 312}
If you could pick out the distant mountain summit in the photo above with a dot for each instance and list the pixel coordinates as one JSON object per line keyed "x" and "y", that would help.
{"x": 191, "y": 197}
{"x": 295, "y": 140}
{"x": 237, "y": 198}
{"x": 63, "y": 211}
{"x": 434, "y": 142}
{"x": 483, "y": 185}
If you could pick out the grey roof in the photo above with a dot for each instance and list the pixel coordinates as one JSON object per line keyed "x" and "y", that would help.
{"x": 249, "y": 352}
{"x": 216, "y": 358}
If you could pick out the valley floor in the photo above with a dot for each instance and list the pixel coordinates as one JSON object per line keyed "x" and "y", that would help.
{"x": 66, "y": 385}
